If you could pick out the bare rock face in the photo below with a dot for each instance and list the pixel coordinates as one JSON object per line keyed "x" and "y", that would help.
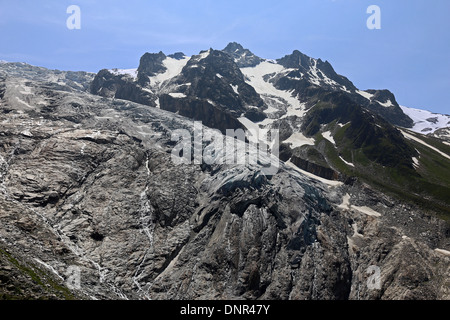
{"x": 110, "y": 85}
{"x": 201, "y": 110}
{"x": 92, "y": 205}
{"x": 244, "y": 58}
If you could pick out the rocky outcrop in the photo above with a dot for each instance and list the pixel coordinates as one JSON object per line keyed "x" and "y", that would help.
{"x": 443, "y": 134}
{"x": 201, "y": 110}
{"x": 311, "y": 77}
{"x": 315, "y": 169}
{"x": 150, "y": 65}
{"x": 244, "y": 58}
{"x": 379, "y": 141}
{"x": 214, "y": 76}
{"x": 107, "y": 84}
{"x": 383, "y": 103}
{"x": 315, "y": 71}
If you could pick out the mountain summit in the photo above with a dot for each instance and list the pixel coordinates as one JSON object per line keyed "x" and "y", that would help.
{"x": 243, "y": 57}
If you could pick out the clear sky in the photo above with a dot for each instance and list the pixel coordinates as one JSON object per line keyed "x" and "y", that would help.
{"x": 410, "y": 54}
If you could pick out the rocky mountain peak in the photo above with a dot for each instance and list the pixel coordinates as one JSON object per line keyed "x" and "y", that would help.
{"x": 177, "y": 55}
{"x": 383, "y": 102}
{"x": 213, "y": 75}
{"x": 208, "y": 63}
{"x": 296, "y": 60}
{"x": 152, "y": 63}
{"x": 244, "y": 58}
{"x": 233, "y": 47}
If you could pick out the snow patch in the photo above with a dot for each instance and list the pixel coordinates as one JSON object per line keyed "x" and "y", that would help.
{"x": 130, "y": 72}
{"x": 235, "y": 89}
{"x": 255, "y": 78}
{"x": 355, "y": 231}
{"x": 148, "y": 90}
{"x": 365, "y": 94}
{"x": 442, "y": 251}
{"x": 343, "y": 124}
{"x": 173, "y": 69}
{"x": 26, "y": 133}
{"x": 415, "y": 162}
{"x": 176, "y": 95}
{"x": 295, "y": 111}
{"x": 322, "y": 78}
{"x": 271, "y": 110}
{"x": 347, "y": 163}
{"x": 345, "y": 202}
{"x": 332, "y": 183}
{"x": 411, "y": 137}
{"x": 345, "y": 89}
{"x": 327, "y": 135}
{"x": 297, "y": 139}
{"x": 203, "y": 55}
{"x": 313, "y": 72}
{"x": 366, "y": 210}
{"x": 386, "y": 104}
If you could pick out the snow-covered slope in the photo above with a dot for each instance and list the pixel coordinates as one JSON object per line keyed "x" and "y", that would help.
{"x": 173, "y": 69}
{"x": 256, "y": 77}
{"x": 131, "y": 72}
{"x": 426, "y": 122}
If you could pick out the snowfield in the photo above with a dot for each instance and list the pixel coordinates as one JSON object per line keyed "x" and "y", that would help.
{"x": 297, "y": 139}
{"x": 130, "y": 72}
{"x": 174, "y": 68}
{"x": 255, "y": 78}
{"x": 426, "y": 122}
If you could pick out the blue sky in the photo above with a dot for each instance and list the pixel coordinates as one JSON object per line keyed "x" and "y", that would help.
{"x": 409, "y": 54}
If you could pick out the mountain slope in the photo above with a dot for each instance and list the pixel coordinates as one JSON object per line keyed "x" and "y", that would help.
{"x": 306, "y": 100}
{"x": 89, "y": 181}
{"x": 426, "y": 122}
